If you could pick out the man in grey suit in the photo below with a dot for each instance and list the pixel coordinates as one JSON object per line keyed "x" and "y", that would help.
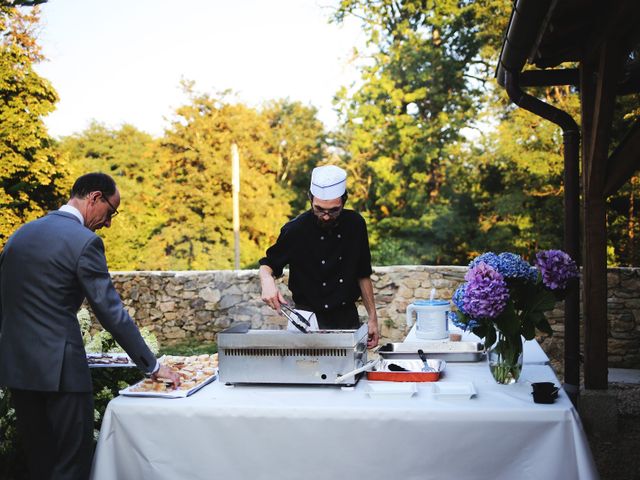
{"x": 47, "y": 268}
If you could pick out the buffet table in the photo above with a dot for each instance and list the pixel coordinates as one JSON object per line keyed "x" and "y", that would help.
{"x": 322, "y": 432}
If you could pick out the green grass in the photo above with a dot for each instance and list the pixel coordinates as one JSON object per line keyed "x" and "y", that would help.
{"x": 192, "y": 347}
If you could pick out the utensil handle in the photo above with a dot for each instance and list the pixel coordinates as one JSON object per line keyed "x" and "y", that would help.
{"x": 410, "y": 308}
{"x": 352, "y": 373}
{"x": 422, "y": 355}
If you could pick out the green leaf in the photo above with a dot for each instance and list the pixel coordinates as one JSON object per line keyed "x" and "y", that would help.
{"x": 544, "y": 326}
{"x": 508, "y": 321}
{"x": 542, "y": 301}
{"x": 528, "y": 330}
{"x": 490, "y": 337}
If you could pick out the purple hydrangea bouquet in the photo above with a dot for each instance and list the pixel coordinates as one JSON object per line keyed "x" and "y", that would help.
{"x": 504, "y": 299}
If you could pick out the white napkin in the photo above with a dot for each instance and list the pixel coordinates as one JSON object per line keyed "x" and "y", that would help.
{"x": 310, "y": 316}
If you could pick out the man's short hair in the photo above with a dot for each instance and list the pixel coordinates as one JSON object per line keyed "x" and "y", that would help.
{"x": 93, "y": 182}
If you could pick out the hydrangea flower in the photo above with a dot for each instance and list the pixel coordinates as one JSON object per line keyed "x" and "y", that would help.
{"x": 486, "y": 292}
{"x": 458, "y": 301}
{"x": 556, "y": 267}
{"x": 507, "y": 264}
{"x": 511, "y": 265}
{"x": 455, "y": 319}
{"x": 489, "y": 258}
{"x": 458, "y": 297}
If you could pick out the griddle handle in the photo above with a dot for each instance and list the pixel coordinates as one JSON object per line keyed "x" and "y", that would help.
{"x": 242, "y": 327}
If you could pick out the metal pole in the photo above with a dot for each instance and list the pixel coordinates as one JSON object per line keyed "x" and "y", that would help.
{"x": 571, "y": 135}
{"x": 572, "y": 247}
{"x": 235, "y": 187}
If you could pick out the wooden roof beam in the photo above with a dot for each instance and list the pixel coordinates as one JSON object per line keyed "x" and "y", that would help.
{"x": 624, "y": 161}
{"x": 618, "y": 22}
{"x": 609, "y": 69}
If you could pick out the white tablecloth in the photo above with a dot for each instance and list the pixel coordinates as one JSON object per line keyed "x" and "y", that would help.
{"x": 325, "y": 432}
{"x": 532, "y": 352}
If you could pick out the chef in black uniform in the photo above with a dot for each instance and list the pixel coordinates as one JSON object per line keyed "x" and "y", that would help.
{"x": 327, "y": 250}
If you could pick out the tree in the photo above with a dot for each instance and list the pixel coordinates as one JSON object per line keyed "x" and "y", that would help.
{"x": 33, "y": 178}
{"x": 299, "y": 141}
{"x": 129, "y": 156}
{"x": 176, "y": 192}
{"x": 401, "y": 128}
{"x": 194, "y": 175}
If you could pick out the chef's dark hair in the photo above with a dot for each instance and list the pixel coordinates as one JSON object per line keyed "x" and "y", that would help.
{"x": 93, "y": 182}
{"x": 344, "y": 197}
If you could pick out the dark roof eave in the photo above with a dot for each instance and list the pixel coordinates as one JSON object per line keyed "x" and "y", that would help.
{"x": 526, "y": 26}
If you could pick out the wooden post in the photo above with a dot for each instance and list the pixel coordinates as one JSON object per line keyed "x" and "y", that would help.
{"x": 235, "y": 187}
{"x": 597, "y": 90}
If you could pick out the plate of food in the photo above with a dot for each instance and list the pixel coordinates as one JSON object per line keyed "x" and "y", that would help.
{"x": 195, "y": 372}
{"x": 96, "y": 360}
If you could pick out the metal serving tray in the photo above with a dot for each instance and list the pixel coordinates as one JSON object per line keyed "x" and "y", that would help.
{"x": 447, "y": 351}
{"x": 279, "y": 356}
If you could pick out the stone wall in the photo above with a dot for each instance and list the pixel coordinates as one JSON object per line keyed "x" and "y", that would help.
{"x": 195, "y": 305}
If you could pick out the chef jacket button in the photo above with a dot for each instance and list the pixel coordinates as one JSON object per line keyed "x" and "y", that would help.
{"x": 324, "y": 284}
{"x": 339, "y": 258}
{"x": 339, "y": 236}
{"x": 341, "y": 280}
{"x": 344, "y": 303}
{"x": 322, "y": 237}
{"x": 323, "y": 262}
{"x": 326, "y": 306}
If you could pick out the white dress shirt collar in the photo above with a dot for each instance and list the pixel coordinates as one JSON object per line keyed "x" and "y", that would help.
{"x": 74, "y": 211}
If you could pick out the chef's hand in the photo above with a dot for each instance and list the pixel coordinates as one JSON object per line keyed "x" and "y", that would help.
{"x": 165, "y": 373}
{"x": 270, "y": 293}
{"x": 374, "y": 335}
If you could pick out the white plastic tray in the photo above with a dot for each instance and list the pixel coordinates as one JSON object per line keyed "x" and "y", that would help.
{"x": 453, "y": 390}
{"x": 391, "y": 389}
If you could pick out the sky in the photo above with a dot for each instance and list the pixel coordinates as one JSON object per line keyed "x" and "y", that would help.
{"x": 122, "y": 61}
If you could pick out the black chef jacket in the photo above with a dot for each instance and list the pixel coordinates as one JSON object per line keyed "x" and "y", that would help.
{"x": 324, "y": 266}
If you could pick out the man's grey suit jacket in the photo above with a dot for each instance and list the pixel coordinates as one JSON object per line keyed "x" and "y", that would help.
{"x": 47, "y": 268}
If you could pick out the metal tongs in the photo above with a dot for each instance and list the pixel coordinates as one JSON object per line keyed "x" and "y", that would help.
{"x": 296, "y": 319}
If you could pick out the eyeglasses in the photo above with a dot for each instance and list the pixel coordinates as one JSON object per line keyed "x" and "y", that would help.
{"x": 114, "y": 210}
{"x": 332, "y": 212}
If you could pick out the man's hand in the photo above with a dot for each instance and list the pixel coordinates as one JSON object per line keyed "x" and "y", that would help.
{"x": 374, "y": 336}
{"x": 270, "y": 293}
{"x": 366, "y": 289}
{"x": 166, "y": 374}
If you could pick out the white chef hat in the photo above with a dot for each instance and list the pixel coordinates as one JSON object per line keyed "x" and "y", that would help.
{"x": 328, "y": 182}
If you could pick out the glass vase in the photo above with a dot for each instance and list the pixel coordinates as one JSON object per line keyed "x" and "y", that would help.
{"x": 505, "y": 358}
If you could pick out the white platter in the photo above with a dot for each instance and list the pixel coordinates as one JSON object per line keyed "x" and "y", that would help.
{"x": 453, "y": 390}
{"x": 391, "y": 389}
{"x": 179, "y": 393}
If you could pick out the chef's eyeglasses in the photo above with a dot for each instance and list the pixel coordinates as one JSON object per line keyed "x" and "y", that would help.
{"x": 332, "y": 212}
{"x": 114, "y": 210}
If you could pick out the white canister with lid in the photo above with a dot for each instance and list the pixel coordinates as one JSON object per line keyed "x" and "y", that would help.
{"x": 431, "y": 318}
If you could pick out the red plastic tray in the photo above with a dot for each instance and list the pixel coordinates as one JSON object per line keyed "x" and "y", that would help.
{"x": 382, "y": 373}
